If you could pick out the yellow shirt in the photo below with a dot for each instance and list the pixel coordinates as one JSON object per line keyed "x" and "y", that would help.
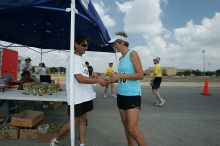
{"x": 108, "y": 71}
{"x": 157, "y": 71}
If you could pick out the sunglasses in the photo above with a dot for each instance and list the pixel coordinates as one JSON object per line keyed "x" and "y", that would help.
{"x": 84, "y": 45}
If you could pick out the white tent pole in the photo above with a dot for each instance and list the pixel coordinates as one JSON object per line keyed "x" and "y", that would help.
{"x": 41, "y": 53}
{"x": 72, "y": 99}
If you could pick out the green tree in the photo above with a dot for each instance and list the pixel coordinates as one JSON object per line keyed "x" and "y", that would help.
{"x": 62, "y": 69}
{"x": 187, "y": 73}
{"x": 218, "y": 72}
{"x": 197, "y": 72}
{"x": 53, "y": 70}
{"x": 179, "y": 73}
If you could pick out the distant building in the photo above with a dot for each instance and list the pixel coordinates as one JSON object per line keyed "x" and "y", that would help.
{"x": 169, "y": 71}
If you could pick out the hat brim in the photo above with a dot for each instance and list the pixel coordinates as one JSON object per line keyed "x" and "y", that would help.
{"x": 112, "y": 40}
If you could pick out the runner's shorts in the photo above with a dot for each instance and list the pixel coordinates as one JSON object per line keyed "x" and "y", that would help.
{"x": 82, "y": 108}
{"x": 156, "y": 83}
{"x": 128, "y": 102}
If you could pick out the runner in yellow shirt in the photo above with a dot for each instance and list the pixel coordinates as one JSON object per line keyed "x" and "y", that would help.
{"x": 156, "y": 81}
{"x": 108, "y": 71}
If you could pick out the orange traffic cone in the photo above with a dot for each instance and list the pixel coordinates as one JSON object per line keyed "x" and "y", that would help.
{"x": 206, "y": 88}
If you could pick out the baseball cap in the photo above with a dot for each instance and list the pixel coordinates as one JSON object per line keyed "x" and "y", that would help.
{"x": 157, "y": 58}
{"x": 28, "y": 58}
{"x": 118, "y": 37}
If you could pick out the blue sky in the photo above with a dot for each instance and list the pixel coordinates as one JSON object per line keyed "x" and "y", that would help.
{"x": 175, "y": 30}
{"x": 177, "y": 12}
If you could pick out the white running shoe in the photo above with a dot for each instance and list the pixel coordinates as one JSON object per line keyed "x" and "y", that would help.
{"x": 156, "y": 103}
{"x": 162, "y": 102}
{"x": 104, "y": 96}
{"x": 113, "y": 95}
{"x": 54, "y": 142}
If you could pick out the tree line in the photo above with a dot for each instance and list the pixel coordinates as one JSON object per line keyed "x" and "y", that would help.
{"x": 199, "y": 73}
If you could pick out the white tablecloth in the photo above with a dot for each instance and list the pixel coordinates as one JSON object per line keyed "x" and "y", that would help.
{"x": 14, "y": 94}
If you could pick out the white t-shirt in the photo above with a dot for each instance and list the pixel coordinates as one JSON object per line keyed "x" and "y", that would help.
{"x": 42, "y": 71}
{"x": 24, "y": 67}
{"x": 82, "y": 92}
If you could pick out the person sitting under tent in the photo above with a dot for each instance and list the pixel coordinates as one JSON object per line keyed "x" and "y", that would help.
{"x": 26, "y": 65}
{"x": 26, "y": 78}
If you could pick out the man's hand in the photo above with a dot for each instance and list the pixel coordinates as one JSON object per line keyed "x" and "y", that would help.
{"x": 103, "y": 82}
{"x": 114, "y": 77}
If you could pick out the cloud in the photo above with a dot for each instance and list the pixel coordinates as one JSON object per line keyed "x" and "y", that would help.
{"x": 180, "y": 47}
{"x": 124, "y": 7}
{"x": 142, "y": 16}
{"x": 102, "y": 11}
{"x": 194, "y": 38}
{"x": 206, "y": 34}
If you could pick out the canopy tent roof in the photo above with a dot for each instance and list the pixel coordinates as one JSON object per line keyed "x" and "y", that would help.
{"x": 46, "y": 24}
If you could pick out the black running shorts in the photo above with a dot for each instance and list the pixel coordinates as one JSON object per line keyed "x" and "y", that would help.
{"x": 82, "y": 108}
{"x": 156, "y": 83}
{"x": 128, "y": 102}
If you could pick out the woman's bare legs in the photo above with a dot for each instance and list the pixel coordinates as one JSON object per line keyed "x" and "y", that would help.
{"x": 130, "y": 121}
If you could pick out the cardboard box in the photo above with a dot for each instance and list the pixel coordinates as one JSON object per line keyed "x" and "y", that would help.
{"x": 53, "y": 130}
{"x": 9, "y": 132}
{"x": 45, "y": 137}
{"x": 51, "y": 105}
{"x": 54, "y": 105}
{"x": 28, "y": 133}
{"x": 27, "y": 118}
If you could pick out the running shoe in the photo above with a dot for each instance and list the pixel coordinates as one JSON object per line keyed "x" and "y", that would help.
{"x": 156, "y": 103}
{"x": 54, "y": 142}
{"x": 113, "y": 95}
{"x": 162, "y": 102}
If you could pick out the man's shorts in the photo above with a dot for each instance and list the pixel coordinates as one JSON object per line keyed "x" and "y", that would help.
{"x": 82, "y": 108}
{"x": 156, "y": 83}
{"x": 128, "y": 102}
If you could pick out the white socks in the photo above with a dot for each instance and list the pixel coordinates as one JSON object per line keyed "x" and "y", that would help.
{"x": 82, "y": 145}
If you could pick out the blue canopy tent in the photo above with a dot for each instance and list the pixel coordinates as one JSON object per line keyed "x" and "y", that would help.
{"x": 46, "y": 24}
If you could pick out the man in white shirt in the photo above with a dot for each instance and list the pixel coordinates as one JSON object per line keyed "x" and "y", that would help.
{"x": 83, "y": 91}
{"x": 26, "y": 65}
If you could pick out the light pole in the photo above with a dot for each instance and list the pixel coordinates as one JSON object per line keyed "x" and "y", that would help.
{"x": 172, "y": 62}
{"x": 203, "y": 51}
{"x": 209, "y": 68}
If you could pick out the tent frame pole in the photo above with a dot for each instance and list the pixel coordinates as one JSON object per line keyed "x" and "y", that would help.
{"x": 72, "y": 98}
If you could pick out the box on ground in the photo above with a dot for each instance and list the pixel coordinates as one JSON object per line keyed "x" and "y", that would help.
{"x": 52, "y": 131}
{"x": 51, "y": 105}
{"x": 27, "y": 118}
{"x": 55, "y": 105}
{"x": 45, "y": 137}
{"x": 9, "y": 132}
{"x": 28, "y": 133}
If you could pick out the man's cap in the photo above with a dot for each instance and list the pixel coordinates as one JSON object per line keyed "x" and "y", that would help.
{"x": 157, "y": 58}
{"x": 118, "y": 37}
{"x": 28, "y": 58}
{"x": 110, "y": 62}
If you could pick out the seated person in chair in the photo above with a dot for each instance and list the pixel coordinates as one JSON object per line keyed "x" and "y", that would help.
{"x": 26, "y": 78}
